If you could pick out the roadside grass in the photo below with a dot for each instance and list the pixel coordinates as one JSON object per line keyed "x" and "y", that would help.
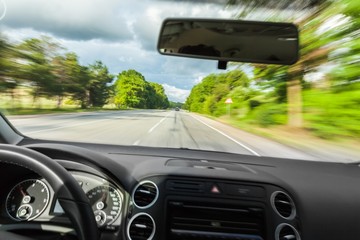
{"x": 36, "y": 111}
{"x": 294, "y": 137}
{"x": 23, "y": 104}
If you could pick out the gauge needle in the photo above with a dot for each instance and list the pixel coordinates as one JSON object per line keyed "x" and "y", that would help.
{"x": 23, "y": 192}
{"x": 103, "y": 198}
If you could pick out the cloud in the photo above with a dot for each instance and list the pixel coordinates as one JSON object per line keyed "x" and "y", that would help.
{"x": 186, "y": 72}
{"x": 80, "y": 19}
{"x": 176, "y": 94}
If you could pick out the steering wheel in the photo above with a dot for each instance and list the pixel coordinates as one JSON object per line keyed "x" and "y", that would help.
{"x": 69, "y": 193}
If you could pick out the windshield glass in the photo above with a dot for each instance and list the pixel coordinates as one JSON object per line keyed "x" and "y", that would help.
{"x": 89, "y": 71}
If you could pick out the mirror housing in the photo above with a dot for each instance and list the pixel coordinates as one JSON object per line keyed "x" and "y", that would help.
{"x": 230, "y": 40}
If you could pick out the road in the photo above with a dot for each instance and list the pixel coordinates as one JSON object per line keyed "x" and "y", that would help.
{"x": 157, "y": 128}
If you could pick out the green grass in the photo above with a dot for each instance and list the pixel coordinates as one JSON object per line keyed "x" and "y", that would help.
{"x": 332, "y": 114}
{"x": 23, "y": 104}
{"x": 327, "y": 114}
{"x": 34, "y": 111}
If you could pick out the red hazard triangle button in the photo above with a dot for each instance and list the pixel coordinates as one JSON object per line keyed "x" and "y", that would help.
{"x": 215, "y": 189}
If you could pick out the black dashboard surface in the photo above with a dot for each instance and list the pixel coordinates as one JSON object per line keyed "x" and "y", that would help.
{"x": 195, "y": 185}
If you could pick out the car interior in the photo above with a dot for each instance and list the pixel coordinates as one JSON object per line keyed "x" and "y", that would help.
{"x": 55, "y": 189}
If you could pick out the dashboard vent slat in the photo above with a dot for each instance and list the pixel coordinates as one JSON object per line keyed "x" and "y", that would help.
{"x": 188, "y": 219}
{"x": 145, "y": 194}
{"x": 141, "y": 227}
{"x": 283, "y": 205}
{"x": 185, "y": 186}
{"x": 286, "y": 232}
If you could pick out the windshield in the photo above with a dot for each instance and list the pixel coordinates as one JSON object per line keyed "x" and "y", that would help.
{"x": 89, "y": 71}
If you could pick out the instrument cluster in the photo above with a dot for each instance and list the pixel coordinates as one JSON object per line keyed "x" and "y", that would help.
{"x": 34, "y": 200}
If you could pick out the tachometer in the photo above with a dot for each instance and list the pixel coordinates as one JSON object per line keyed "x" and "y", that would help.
{"x": 106, "y": 204}
{"x": 27, "y": 200}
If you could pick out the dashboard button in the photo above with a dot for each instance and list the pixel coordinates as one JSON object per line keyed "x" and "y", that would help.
{"x": 215, "y": 189}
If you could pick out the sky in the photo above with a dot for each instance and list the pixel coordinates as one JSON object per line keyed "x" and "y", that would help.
{"x": 121, "y": 33}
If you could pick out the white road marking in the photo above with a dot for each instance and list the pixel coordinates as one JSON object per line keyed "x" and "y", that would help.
{"x": 156, "y": 125}
{"x": 137, "y": 142}
{"x": 227, "y": 136}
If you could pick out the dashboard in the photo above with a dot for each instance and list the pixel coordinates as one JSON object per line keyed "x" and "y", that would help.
{"x": 150, "y": 193}
{"x": 193, "y": 208}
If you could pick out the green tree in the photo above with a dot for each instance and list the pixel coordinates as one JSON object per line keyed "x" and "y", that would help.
{"x": 159, "y": 98}
{"x": 209, "y": 95}
{"x": 36, "y": 56}
{"x": 130, "y": 90}
{"x": 99, "y": 89}
{"x": 8, "y": 81}
{"x": 76, "y": 79}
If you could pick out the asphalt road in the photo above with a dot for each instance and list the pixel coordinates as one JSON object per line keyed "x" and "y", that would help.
{"x": 157, "y": 128}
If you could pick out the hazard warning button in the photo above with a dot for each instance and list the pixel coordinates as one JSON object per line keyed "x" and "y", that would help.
{"x": 215, "y": 189}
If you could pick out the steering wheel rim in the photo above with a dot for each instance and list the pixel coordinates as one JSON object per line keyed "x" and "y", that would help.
{"x": 69, "y": 193}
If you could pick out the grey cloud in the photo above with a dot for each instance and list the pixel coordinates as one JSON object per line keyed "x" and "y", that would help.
{"x": 176, "y": 94}
{"x": 78, "y": 20}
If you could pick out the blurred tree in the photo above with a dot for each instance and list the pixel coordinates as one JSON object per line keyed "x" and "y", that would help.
{"x": 8, "y": 82}
{"x": 35, "y": 56}
{"x": 313, "y": 53}
{"x": 78, "y": 79}
{"x": 99, "y": 89}
{"x": 159, "y": 99}
{"x": 60, "y": 87}
{"x": 175, "y": 104}
{"x": 209, "y": 95}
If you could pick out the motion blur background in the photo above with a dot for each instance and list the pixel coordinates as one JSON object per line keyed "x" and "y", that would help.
{"x": 44, "y": 70}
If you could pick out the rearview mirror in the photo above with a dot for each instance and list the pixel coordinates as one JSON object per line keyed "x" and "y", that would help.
{"x": 230, "y": 40}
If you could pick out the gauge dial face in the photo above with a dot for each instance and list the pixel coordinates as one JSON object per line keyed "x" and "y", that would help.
{"x": 27, "y": 200}
{"x": 106, "y": 204}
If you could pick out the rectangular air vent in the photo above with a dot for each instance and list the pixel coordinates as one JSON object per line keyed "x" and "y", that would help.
{"x": 199, "y": 220}
{"x": 185, "y": 186}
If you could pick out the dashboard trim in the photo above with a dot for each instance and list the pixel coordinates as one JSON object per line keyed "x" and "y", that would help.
{"x": 293, "y": 210}
{"x": 155, "y": 199}
{"x": 279, "y": 228}
{"x": 133, "y": 218}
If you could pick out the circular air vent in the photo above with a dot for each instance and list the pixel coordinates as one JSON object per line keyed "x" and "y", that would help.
{"x": 141, "y": 227}
{"x": 283, "y": 205}
{"x": 285, "y": 231}
{"x": 145, "y": 194}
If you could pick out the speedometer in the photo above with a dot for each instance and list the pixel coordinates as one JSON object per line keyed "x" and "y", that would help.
{"x": 106, "y": 203}
{"x": 27, "y": 200}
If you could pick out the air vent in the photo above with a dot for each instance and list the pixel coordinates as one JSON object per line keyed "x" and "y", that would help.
{"x": 185, "y": 186}
{"x": 195, "y": 220}
{"x": 283, "y": 205}
{"x": 141, "y": 227}
{"x": 145, "y": 194}
{"x": 286, "y": 232}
